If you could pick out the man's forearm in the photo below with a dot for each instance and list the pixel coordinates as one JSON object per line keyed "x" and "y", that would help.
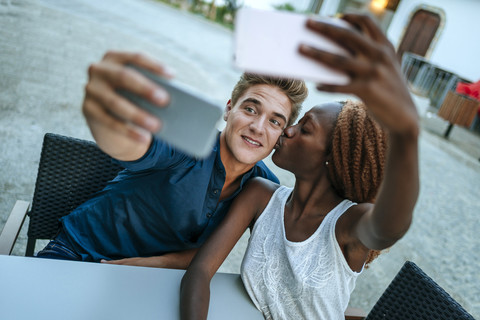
{"x": 173, "y": 260}
{"x": 178, "y": 260}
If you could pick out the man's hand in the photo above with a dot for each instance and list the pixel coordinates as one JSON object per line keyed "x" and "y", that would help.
{"x": 120, "y": 128}
{"x": 153, "y": 262}
{"x": 174, "y": 260}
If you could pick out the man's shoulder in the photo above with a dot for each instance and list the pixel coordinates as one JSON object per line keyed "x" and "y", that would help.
{"x": 261, "y": 170}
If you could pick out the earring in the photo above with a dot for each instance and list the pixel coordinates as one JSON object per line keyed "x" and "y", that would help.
{"x": 326, "y": 163}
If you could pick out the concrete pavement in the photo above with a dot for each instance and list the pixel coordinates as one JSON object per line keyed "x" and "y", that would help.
{"x": 46, "y": 47}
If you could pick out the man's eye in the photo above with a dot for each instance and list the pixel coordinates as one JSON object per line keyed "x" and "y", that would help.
{"x": 275, "y": 122}
{"x": 249, "y": 109}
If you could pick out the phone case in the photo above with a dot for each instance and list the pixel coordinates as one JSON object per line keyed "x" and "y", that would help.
{"x": 189, "y": 121}
{"x": 267, "y": 42}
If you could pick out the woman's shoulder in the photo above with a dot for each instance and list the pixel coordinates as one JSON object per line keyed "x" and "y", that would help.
{"x": 353, "y": 214}
{"x": 261, "y": 187}
{"x": 258, "y": 191}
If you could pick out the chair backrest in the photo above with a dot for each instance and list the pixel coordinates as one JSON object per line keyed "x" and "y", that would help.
{"x": 414, "y": 295}
{"x": 70, "y": 172}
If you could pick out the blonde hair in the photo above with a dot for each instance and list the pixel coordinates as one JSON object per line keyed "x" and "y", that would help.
{"x": 295, "y": 90}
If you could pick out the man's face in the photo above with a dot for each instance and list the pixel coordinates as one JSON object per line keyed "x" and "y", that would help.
{"x": 255, "y": 123}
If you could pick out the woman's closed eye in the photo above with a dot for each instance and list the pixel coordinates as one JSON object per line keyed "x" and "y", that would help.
{"x": 304, "y": 127}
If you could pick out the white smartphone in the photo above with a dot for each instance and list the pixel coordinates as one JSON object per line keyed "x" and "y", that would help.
{"x": 189, "y": 121}
{"x": 266, "y": 42}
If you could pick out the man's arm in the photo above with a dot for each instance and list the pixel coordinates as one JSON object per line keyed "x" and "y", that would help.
{"x": 173, "y": 260}
{"x": 121, "y": 129}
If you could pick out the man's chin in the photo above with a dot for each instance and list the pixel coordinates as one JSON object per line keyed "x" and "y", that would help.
{"x": 252, "y": 158}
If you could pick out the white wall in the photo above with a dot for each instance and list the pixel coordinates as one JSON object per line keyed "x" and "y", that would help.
{"x": 458, "y": 46}
{"x": 268, "y": 4}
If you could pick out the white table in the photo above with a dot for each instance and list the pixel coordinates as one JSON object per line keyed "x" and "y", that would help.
{"x": 34, "y": 288}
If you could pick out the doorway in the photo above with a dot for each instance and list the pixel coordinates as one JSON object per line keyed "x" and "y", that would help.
{"x": 420, "y": 32}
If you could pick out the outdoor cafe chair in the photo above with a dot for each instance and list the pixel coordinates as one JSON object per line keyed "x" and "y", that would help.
{"x": 413, "y": 295}
{"x": 69, "y": 173}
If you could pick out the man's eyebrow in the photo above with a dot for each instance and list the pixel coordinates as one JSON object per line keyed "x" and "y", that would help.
{"x": 252, "y": 100}
{"x": 280, "y": 116}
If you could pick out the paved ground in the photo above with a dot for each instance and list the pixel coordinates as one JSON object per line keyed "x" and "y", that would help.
{"x": 46, "y": 46}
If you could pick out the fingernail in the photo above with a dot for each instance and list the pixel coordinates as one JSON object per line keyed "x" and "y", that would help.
{"x": 160, "y": 96}
{"x": 152, "y": 123}
{"x": 304, "y": 48}
{"x": 169, "y": 72}
{"x": 143, "y": 135}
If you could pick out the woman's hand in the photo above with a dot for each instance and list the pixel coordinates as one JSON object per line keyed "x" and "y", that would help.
{"x": 373, "y": 68}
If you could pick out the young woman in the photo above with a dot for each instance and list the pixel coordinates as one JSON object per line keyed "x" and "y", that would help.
{"x": 355, "y": 190}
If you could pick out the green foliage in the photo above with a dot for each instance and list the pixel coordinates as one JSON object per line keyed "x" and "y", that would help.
{"x": 223, "y": 15}
{"x": 285, "y": 7}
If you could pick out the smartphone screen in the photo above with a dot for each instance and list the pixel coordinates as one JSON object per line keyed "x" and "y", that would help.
{"x": 266, "y": 42}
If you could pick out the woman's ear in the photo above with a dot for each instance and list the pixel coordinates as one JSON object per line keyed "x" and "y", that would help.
{"x": 228, "y": 108}
{"x": 328, "y": 160}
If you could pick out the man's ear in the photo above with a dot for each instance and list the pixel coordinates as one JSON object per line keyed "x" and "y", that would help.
{"x": 228, "y": 108}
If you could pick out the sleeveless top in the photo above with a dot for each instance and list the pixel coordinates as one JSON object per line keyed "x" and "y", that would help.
{"x": 297, "y": 280}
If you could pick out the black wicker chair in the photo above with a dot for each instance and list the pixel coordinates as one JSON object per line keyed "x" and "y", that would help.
{"x": 70, "y": 172}
{"x": 412, "y": 295}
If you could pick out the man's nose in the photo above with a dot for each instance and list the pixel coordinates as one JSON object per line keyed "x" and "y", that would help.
{"x": 258, "y": 124}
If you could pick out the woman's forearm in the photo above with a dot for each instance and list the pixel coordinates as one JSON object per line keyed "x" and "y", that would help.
{"x": 194, "y": 295}
{"x": 392, "y": 214}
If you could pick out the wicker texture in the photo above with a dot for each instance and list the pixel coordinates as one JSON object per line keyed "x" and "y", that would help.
{"x": 414, "y": 295}
{"x": 69, "y": 173}
{"x": 459, "y": 109}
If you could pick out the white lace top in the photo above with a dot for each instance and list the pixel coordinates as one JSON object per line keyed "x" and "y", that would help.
{"x": 297, "y": 280}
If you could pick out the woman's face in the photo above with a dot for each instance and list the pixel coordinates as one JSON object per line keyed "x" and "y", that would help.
{"x": 302, "y": 148}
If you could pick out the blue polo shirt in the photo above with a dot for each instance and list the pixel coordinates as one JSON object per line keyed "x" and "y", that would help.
{"x": 164, "y": 202}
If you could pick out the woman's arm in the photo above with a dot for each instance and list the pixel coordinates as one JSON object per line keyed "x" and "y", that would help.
{"x": 195, "y": 287}
{"x": 376, "y": 78}
{"x": 391, "y": 216}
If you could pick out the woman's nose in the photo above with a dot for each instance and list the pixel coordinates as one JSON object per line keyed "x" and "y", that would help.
{"x": 289, "y": 131}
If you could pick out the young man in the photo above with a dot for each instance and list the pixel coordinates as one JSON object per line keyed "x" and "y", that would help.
{"x": 165, "y": 203}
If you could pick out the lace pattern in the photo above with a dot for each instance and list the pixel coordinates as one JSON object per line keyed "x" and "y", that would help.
{"x": 295, "y": 280}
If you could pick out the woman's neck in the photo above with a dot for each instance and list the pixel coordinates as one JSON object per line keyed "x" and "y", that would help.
{"x": 312, "y": 198}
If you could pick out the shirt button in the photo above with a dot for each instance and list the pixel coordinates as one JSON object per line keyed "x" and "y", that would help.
{"x": 209, "y": 215}
{"x": 215, "y": 192}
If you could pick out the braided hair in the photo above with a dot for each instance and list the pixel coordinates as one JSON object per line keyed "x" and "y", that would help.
{"x": 358, "y": 152}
